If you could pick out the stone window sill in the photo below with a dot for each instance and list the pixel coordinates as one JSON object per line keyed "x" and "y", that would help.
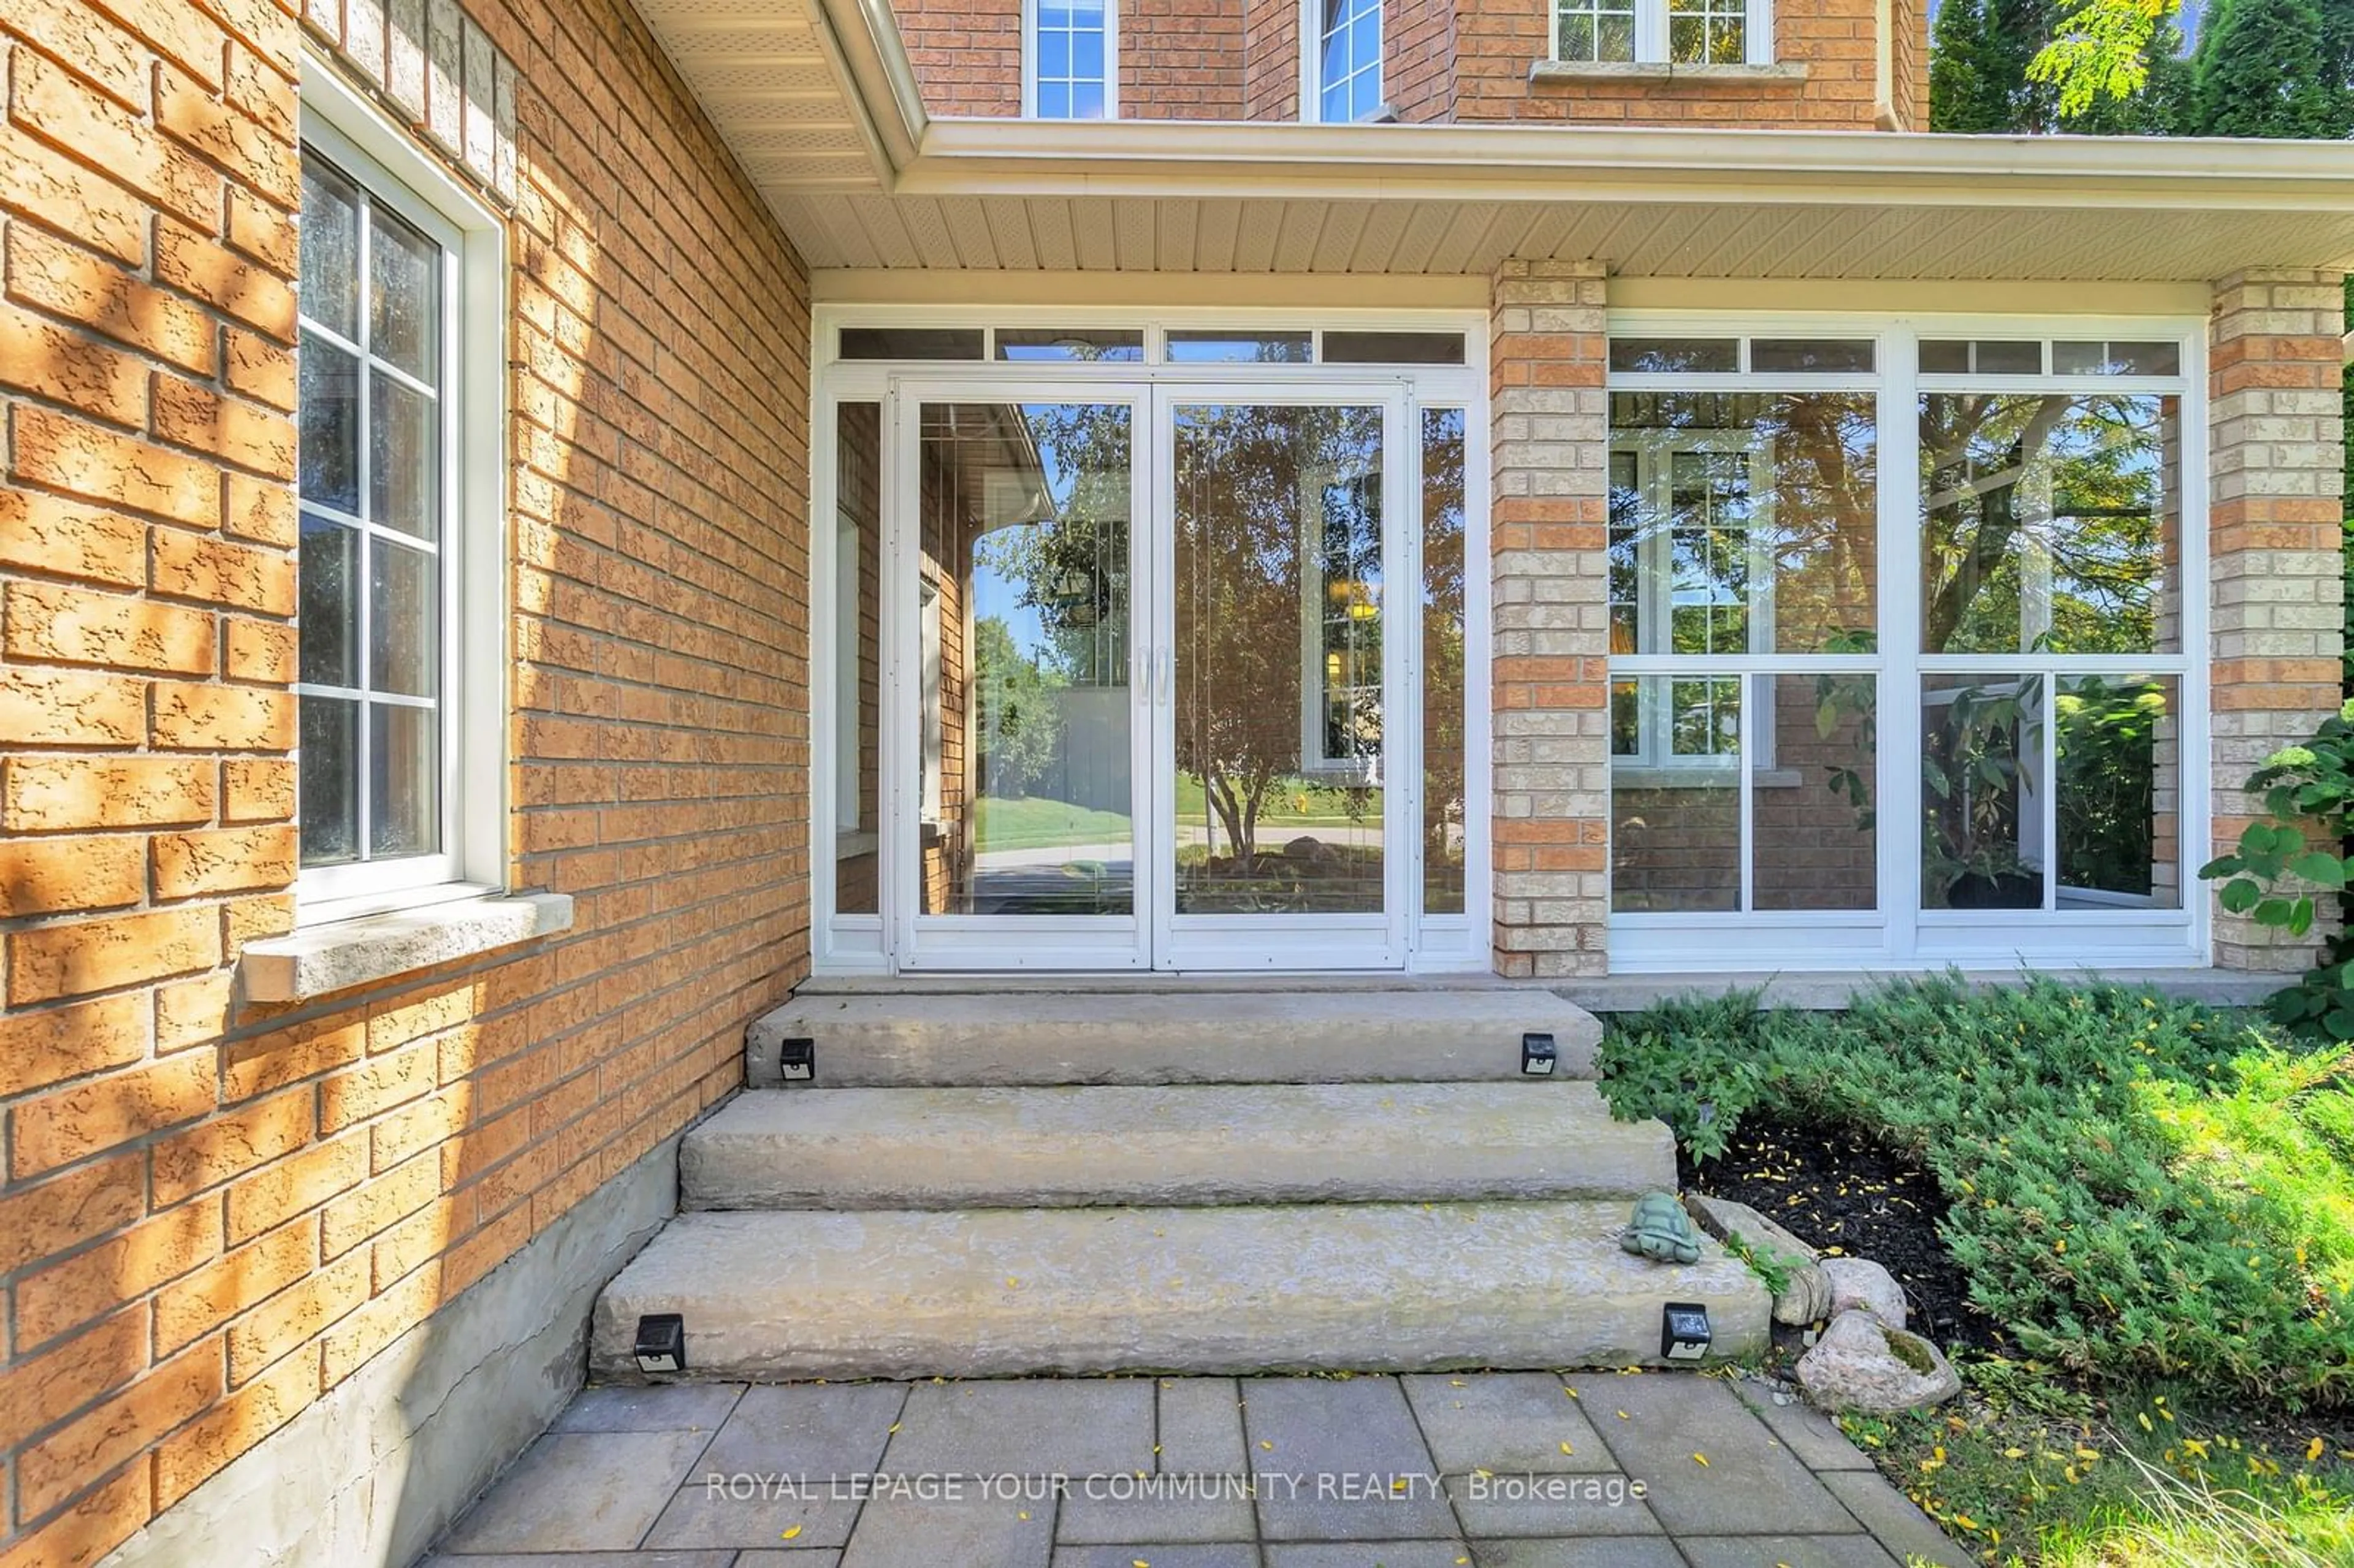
{"x": 320, "y": 959}
{"x": 1545, "y": 73}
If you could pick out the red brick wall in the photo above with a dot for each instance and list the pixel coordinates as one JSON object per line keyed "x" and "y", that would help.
{"x": 1498, "y": 40}
{"x": 213, "y": 1215}
{"x": 1180, "y": 60}
{"x": 967, "y": 54}
{"x": 1446, "y": 59}
{"x": 1271, "y": 59}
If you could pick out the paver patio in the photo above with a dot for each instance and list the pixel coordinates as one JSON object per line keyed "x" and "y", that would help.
{"x": 1485, "y": 1470}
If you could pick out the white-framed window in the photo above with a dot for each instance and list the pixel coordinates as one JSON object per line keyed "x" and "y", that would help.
{"x": 399, "y": 683}
{"x": 1691, "y": 518}
{"x": 1344, "y": 61}
{"x": 1663, "y": 32}
{"x": 1069, "y": 59}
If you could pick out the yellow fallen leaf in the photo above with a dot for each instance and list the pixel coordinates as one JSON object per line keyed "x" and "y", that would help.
{"x": 2014, "y": 1453}
{"x": 1266, "y": 1445}
{"x": 1624, "y": 1416}
{"x": 1699, "y": 1459}
{"x": 895, "y": 1426}
{"x": 2313, "y": 1450}
{"x": 1566, "y": 1448}
{"x": 2143, "y": 1416}
{"x": 790, "y": 1530}
{"x": 1025, "y": 1514}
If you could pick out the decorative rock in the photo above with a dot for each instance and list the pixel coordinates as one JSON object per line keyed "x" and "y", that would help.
{"x": 1807, "y": 1297}
{"x": 1862, "y": 1363}
{"x": 1858, "y": 1282}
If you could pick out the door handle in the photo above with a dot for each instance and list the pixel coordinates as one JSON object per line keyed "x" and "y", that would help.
{"x": 1161, "y": 682}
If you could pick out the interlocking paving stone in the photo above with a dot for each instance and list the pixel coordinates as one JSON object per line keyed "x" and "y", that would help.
{"x": 1888, "y": 1514}
{"x": 1784, "y": 1552}
{"x": 618, "y": 1560}
{"x": 1101, "y": 1509}
{"x": 1752, "y": 1484}
{"x": 1200, "y": 1427}
{"x": 1326, "y": 1454}
{"x": 580, "y": 1492}
{"x": 897, "y": 1530}
{"x": 660, "y": 1407}
{"x": 1584, "y": 1504}
{"x": 1593, "y": 1551}
{"x": 789, "y": 1560}
{"x": 706, "y": 1515}
{"x": 809, "y": 1430}
{"x": 1504, "y": 1421}
{"x": 1807, "y": 1432}
{"x": 1363, "y": 1554}
{"x": 1226, "y": 1554}
{"x": 1080, "y": 1426}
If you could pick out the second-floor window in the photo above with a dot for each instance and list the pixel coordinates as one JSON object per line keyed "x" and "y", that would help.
{"x": 1070, "y": 51}
{"x": 1663, "y": 32}
{"x": 1347, "y": 60}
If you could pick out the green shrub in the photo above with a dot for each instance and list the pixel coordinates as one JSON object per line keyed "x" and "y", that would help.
{"x": 2135, "y": 1187}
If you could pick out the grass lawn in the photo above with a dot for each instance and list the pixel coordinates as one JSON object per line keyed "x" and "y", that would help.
{"x": 2151, "y": 1206}
{"x": 1025, "y": 822}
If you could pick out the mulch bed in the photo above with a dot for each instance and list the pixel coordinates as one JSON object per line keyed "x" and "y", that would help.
{"x": 1837, "y": 1192}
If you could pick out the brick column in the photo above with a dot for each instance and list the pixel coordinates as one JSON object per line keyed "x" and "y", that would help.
{"x": 2274, "y": 521}
{"x": 1551, "y": 626}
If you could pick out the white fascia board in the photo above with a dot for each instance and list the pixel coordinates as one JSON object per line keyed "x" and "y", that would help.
{"x": 1510, "y": 163}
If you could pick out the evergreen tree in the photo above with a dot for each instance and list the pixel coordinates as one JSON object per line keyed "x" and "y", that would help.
{"x": 1978, "y": 68}
{"x": 2262, "y": 68}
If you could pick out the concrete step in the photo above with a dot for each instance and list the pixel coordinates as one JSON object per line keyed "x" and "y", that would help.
{"x": 1408, "y": 1034}
{"x": 1184, "y": 1144}
{"x": 1004, "y": 1292}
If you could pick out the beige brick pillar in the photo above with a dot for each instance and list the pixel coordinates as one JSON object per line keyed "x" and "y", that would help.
{"x": 2276, "y": 463}
{"x": 1552, "y": 623}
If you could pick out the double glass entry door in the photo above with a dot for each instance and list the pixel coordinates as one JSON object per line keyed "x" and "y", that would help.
{"x": 1152, "y": 657}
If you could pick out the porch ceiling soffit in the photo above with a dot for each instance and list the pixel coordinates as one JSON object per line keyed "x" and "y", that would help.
{"x": 817, "y": 100}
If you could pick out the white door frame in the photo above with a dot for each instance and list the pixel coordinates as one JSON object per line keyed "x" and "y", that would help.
{"x": 1449, "y": 941}
{"x": 1279, "y": 942}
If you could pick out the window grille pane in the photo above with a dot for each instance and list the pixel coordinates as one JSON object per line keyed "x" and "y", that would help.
{"x": 1241, "y": 347}
{"x": 1393, "y": 348}
{"x": 1708, "y": 32}
{"x": 328, "y": 780}
{"x": 404, "y": 295}
{"x": 2116, "y": 359}
{"x": 1119, "y": 345}
{"x": 1658, "y": 356}
{"x": 404, "y": 458}
{"x": 404, "y": 620}
{"x": 1805, "y": 355}
{"x": 1986, "y": 356}
{"x": 328, "y": 561}
{"x": 911, "y": 342}
{"x": 1981, "y": 791}
{"x": 405, "y": 793}
{"x": 2118, "y": 813}
{"x": 1349, "y": 60}
{"x": 328, "y": 443}
{"x": 1813, "y": 796}
{"x": 331, "y": 249}
{"x": 2050, "y": 524}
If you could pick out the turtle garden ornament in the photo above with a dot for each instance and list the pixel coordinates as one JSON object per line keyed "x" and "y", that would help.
{"x": 1660, "y": 1230}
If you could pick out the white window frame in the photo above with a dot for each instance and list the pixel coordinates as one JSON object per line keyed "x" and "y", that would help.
{"x": 1311, "y": 65}
{"x": 346, "y": 131}
{"x": 1029, "y": 61}
{"x": 1651, "y": 35}
{"x": 1655, "y": 457}
{"x": 1902, "y": 935}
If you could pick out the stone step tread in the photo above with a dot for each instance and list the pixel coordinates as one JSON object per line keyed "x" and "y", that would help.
{"x": 1019, "y": 1147}
{"x": 1412, "y": 1034}
{"x": 1005, "y": 1292}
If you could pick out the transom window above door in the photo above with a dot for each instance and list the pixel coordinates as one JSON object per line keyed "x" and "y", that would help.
{"x": 1663, "y": 32}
